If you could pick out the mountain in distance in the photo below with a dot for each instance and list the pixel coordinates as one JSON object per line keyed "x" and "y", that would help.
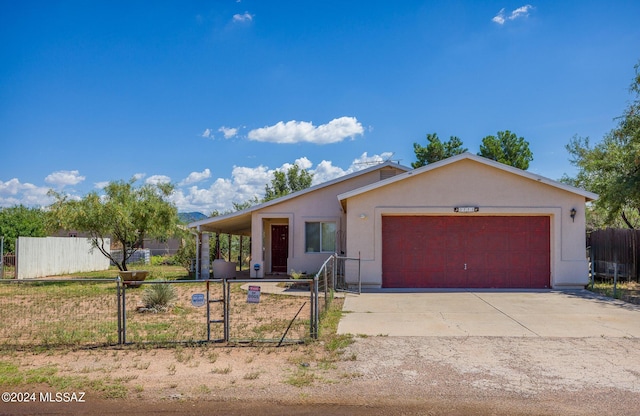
{"x": 189, "y": 217}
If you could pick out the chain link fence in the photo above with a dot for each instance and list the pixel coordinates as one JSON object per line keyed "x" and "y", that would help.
{"x": 81, "y": 313}
{"x": 165, "y": 311}
{"x": 272, "y": 311}
{"x": 58, "y": 313}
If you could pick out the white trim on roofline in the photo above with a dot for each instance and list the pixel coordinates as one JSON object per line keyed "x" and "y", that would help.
{"x": 589, "y": 196}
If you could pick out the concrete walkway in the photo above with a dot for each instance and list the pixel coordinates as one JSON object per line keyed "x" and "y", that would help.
{"x": 573, "y": 314}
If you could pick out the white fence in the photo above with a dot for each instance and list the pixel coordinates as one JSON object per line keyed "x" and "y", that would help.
{"x": 50, "y": 256}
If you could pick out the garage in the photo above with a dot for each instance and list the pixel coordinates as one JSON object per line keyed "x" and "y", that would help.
{"x": 468, "y": 222}
{"x": 466, "y": 251}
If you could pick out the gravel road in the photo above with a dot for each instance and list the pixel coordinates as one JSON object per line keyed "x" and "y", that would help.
{"x": 376, "y": 376}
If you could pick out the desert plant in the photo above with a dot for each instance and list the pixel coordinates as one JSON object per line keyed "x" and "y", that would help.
{"x": 297, "y": 275}
{"x": 159, "y": 297}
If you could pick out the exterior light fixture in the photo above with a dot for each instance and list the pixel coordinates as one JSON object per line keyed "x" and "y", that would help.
{"x": 363, "y": 216}
{"x": 573, "y": 214}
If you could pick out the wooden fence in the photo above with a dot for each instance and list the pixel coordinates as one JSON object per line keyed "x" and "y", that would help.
{"x": 615, "y": 252}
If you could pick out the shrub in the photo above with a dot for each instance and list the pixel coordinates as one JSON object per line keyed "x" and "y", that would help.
{"x": 159, "y": 297}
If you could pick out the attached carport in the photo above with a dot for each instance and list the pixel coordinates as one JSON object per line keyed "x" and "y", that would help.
{"x": 464, "y": 313}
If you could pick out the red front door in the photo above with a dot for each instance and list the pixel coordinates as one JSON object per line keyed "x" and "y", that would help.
{"x": 279, "y": 248}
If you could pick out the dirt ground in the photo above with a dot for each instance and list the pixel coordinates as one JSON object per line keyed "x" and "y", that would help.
{"x": 372, "y": 376}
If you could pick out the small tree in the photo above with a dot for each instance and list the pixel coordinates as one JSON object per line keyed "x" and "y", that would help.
{"x": 283, "y": 183}
{"x": 125, "y": 214}
{"x": 507, "y": 148}
{"x": 20, "y": 221}
{"x": 436, "y": 150}
{"x": 611, "y": 168}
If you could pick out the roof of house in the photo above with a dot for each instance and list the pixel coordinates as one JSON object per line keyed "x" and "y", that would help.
{"x": 240, "y": 222}
{"x": 589, "y": 196}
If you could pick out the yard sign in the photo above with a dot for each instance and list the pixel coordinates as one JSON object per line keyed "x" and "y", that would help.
{"x": 254, "y": 294}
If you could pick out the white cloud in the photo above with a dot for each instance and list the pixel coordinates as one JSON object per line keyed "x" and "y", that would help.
{"x": 101, "y": 185}
{"x": 10, "y": 187}
{"x": 139, "y": 176}
{"x": 196, "y": 177}
{"x": 245, "y": 183}
{"x": 63, "y": 178}
{"x": 245, "y": 17}
{"x": 206, "y": 134}
{"x": 303, "y": 163}
{"x": 302, "y": 131}
{"x": 499, "y": 18}
{"x": 325, "y": 171}
{"x": 522, "y": 11}
{"x": 158, "y": 179}
{"x": 14, "y": 193}
{"x": 228, "y": 132}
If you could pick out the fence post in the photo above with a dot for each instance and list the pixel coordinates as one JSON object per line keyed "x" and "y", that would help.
{"x": 326, "y": 290}
{"x": 592, "y": 266}
{"x": 208, "y": 314}
{"x": 118, "y": 294}
{"x": 314, "y": 308}
{"x": 1, "y": 257}
{"x": 334, "y": 271}
{"x": 124, "y": 314}
{"x": 615, "y": 278}
{"x": 226, "y": 295}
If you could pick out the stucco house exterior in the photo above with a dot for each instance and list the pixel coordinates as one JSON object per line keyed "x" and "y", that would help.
{"x": 463, "y": 222}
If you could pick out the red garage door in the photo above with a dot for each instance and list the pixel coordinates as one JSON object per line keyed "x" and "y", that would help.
{"x": 465, "y": 252}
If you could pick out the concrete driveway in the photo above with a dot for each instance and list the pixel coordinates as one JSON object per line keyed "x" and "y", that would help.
{"x": 504, "y": 313}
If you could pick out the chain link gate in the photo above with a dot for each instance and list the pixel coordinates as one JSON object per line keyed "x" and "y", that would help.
{"x": 235, "y": 311}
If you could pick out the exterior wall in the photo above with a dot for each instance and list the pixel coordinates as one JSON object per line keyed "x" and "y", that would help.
{"x": 319, "y": 205}
{"x": 472, "y": 184}
{"x": 49, "y": 256}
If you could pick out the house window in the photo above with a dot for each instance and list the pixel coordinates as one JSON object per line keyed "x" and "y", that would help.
{"x": 320, "y": 237}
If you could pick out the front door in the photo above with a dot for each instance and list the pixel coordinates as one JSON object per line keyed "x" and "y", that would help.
{"x": 279, "y": 248}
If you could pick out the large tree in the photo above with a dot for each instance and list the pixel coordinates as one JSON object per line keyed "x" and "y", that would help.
{"x": 507, "y": 148}
{"x": 611, "y": 168}
{"x": 436, "y": 150}
{"x": 126, "y": 214}
{"x": 20, "y": 221}
{"x": 283, "y": 183}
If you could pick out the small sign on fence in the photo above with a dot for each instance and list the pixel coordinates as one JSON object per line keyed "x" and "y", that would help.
{"x": 198, "y": 300}
{"x": 254, "y": 294}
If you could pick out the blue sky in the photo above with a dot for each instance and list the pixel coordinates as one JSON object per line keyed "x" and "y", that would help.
{"x": 215, "y": 95}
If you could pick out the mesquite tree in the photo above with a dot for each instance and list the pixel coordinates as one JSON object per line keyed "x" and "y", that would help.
{"x": 126, "y": 214}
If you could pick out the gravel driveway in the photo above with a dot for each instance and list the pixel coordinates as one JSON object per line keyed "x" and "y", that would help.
{"x": 549, "y": 353}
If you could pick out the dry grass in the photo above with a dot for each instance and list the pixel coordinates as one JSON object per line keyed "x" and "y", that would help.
{"x": 78, "y": 314}
{"x": 625, "y": 291}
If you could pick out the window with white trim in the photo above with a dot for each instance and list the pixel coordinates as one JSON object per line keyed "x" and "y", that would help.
{"x": 320, "y": 237}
